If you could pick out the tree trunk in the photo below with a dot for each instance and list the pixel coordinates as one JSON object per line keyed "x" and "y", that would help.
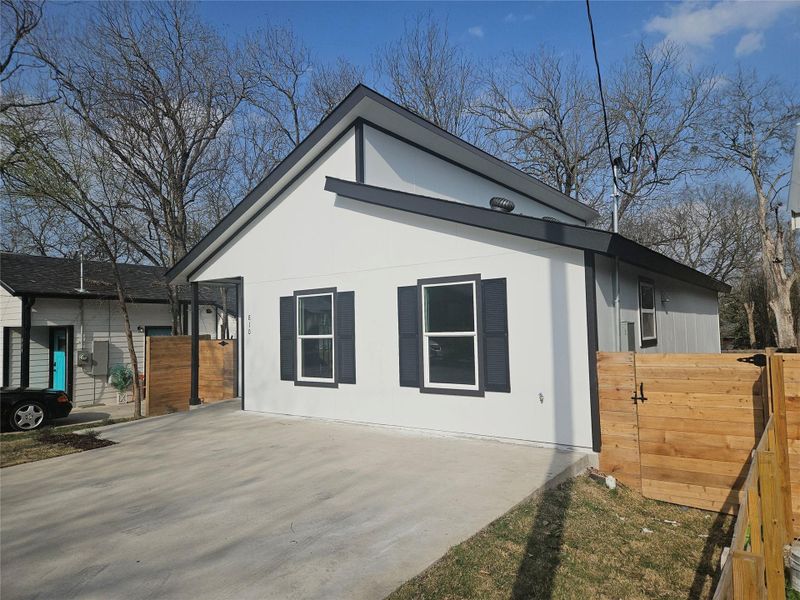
{"x": 174, "y": 308}
{"x": 750, "y": 308}
{"x": 137, "y": 391}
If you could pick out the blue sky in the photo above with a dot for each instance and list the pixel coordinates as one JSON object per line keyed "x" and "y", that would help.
{"x": 764, "y": 35}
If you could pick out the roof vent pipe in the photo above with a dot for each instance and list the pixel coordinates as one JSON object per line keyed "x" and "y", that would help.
{"x": 81, "y": 289}
{"x": 501, "y": 204}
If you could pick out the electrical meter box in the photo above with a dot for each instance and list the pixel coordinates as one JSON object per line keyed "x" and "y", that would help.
{"x": 99, "y": 357}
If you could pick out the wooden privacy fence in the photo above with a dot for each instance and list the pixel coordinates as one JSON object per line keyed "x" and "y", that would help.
{"x": 168, "y": 364}
{"x": 713, "y": 431}
{"x": 680, "y": 427}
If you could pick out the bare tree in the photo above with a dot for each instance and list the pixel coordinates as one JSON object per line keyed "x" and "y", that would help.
{"x": 155, "y": 86}
{"x": 430, "y": 75}
{"x": 658, "y": 110}
{"x": 64, "y": 168}
{"x": 540, "y": 114}
{"x": 330, "y": 84}
{"x": 281, "y": 65}
{"x": 709, "y": 228}
{"x": 752, "y": 132}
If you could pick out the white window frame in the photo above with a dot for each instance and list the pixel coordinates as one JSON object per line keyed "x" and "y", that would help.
{"x": 428, "y": 334}
{"x": 301, "y": 337}
{"x": 654, "y": 338}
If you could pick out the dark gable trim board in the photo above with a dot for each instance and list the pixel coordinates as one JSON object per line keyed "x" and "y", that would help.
{"x": 255, "y": 216}
{"x": 298, "y": 366}
{"x": 562, "y": 234}
{"x": 360, "y": 173}
{"x": 295, "y": 156}
{"x": 358, "y": 94}
{"x": 476, "y": 279}
{"x": 591, "y": 338}
{"x": 460, "y": 166}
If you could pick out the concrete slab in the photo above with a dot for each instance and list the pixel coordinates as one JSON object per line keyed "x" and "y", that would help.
{"x": 219, "y": 503}
{"x": 96, "y": 413}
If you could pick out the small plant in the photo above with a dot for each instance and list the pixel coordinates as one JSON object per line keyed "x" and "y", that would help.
{"x": 121, "y": 377}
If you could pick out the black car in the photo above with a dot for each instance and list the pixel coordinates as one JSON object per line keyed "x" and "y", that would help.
{"x": 25, "y": 409}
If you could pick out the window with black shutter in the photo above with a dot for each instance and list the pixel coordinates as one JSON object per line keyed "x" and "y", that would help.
{"x": 453, "y": 334}
{"x": 317, "y": 331}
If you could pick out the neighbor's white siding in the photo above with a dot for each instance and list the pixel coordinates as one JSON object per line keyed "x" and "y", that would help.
{"x": 10, "y": 316}
{"x": 314, "y": 239}
{"x": 392, "y": 163}
{"x": 688, "y": 322}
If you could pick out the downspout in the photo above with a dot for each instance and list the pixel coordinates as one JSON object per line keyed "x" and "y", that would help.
{"x": 615, "y": 228}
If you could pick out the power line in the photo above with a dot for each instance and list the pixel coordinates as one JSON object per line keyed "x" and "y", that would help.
{"x": 602, "y": 97}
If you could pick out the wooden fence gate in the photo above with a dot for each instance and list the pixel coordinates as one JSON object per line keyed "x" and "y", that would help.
{"x": 681, "y": 427}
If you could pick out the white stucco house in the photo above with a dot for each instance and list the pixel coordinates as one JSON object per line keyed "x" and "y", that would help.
{"x": 392, "y": 273}
{"x": 57, "y": 335}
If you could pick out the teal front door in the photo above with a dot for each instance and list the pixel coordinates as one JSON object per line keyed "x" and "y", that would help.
{"x": 58, "y": 345}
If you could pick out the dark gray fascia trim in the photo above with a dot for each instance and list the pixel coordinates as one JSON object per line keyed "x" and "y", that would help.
{"x": 312, "y": 139}
{"x": 562, "y": 234}
{"x": 258, "y": 213}
{"x": 475, "y": 278}
{"x": 360, "y": 172}
{"x": 8, "y": 288}
{"x": 590, "y": 213}
{"x": 283, "y": 167}
{"x": 591, "y": 339}
{"x": 95, "y": 296}
{"x": 468, "y": 170}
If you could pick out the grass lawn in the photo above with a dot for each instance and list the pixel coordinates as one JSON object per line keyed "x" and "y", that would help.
{"x": 23, "y": 447}
{"x": 582, "y": 540}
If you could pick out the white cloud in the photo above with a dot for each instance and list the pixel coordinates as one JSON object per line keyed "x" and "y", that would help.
{"x": 749, "y": 43}
{"x": 513, "y": 18}
{"x": 476, "y": 31}
{"x": 698, "y": 25}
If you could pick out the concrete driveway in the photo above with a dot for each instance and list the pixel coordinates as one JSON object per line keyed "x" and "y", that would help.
{"x": 219, "y": 503}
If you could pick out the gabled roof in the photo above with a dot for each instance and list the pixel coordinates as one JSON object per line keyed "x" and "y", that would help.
{"x": 46, "y": 276}
{"x": 55, "y": 277}
{"x": 366, "y": 105}
{"x": 563, "y": 234}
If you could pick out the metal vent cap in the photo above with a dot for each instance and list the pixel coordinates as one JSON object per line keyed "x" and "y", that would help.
{"x": 502, "y": 204}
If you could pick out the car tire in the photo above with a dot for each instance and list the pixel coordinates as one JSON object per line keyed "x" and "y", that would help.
{"x": 27, "y": 416}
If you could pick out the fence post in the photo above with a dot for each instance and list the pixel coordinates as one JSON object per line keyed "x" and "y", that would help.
{"x": 778, "y": 409}
{"x": 748, "y": 576}
{"x": 773, "y": 524}
{"x": 754, "y": 515}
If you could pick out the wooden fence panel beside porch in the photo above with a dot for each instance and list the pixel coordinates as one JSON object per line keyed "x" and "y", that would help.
{"x": 168, "y": 372}
{"x": 791, "y": 382}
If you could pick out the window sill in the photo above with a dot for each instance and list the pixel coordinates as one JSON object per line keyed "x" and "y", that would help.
{"x": 452, "y": 391}
{"x": 322, "y": 384}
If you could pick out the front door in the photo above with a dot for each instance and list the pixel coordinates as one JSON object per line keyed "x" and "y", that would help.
{"x": 58, "y": 346}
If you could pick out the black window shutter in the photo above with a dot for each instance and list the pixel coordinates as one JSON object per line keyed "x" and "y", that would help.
{"x": 288, "y": 341}
{"x": 345, "y": 337}
{"x": 495, "y": 335}
{"x": 408, "y": 329}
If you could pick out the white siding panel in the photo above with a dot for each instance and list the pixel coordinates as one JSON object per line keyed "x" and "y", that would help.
{"x": 394, "y": 164}
{"x": 319, "y": 240}
{"x": 10, "y": 310}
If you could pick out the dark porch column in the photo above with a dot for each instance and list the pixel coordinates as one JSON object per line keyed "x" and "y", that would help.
{"x": 25, "y": 354}
{"x": 193, "y": 397}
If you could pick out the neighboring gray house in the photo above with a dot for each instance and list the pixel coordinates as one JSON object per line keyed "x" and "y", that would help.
{"x": 76, "y": 336}
{"x": 392, "y": 273}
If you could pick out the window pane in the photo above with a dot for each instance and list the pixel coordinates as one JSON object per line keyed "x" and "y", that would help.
{"x": 647, "y": 293}
{"x": 317, "y": 358}
{"x": 648, "y": 325}
{"x": 315, "y": 315}
{"x": 452, "y": 360}
{"x": 449, "y": 308}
